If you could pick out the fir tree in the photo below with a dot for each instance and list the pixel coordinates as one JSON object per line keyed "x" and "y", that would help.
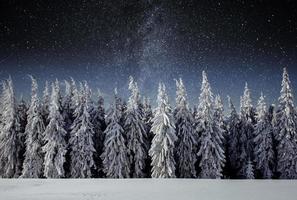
{"x": 249, "y": 170}
{"x": 81, "y": 139}
{"x": 55, "y": 147}
{"x": 247, "y": 129}
{"x": 233, "y": 129}
{"x": 162, "y": 149}
{"x": 286, "y": 131}
{"x": 210, "y": 151}
{"x": 115, "y": 159}
{"x": 186, "y": 144}
{"x": 45, "y": 104}
{"x": 33, "y": 164}
{"x": 136, "y": 133}
{"x": 264, "y": 155}
{"x": 9, "y": 134}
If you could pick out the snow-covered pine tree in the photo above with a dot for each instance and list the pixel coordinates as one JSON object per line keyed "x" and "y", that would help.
{"x": 249, "y": 170}
{"x": 286, "y": 131}
{"x": 233, "y": 146}
{"x": 81, "y": 139}
{"x": 264, "y": 154}
{"x": 186, "y": 145}
{"x": 247, "y": 130}
{"x": 115, "y": 158}
{"x": 34, "y": 131}
{"x": 55, "y": 147}
{"x": 22, "y": 115}
{"x": 211, "y": 151}
{"x": 45, "y": 104}
{"x": 9, "y": 134}
{"x": 68, "y": 111}
{"x": 136, "y": 134}
{"x": 98, "y": 121}
{"x": 163, "y": 128}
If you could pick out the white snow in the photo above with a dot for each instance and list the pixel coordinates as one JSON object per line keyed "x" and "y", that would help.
{"x": 144, "y": 189}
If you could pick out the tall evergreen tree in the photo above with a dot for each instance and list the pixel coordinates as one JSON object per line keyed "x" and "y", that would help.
{"x": 81, "y": 139}
{"x": 264, "y": 155}
{"x": 210, "y": 151}
{"x": 115, "y": 158}
{"x": 55, "y": 147}
{"x": 286, "y": 129}
{"x": 247, "y": 130}
{"x": 163, "y": 128}
{"x": 98, "y": 121}
{"x": 234, "y": 146}
{"x": 186, "y": 145}
{"x": 136, "y": 133}
{"x": 9, "y": 134}
{"x": 34, "y": 131}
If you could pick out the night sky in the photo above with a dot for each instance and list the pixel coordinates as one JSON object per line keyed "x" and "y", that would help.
{"x": 104, "y": 42}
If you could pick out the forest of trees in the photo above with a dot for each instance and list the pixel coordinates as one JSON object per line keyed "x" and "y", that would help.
{"x": 67, "y": 133}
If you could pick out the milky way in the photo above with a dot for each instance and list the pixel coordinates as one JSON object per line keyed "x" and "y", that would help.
{"x": 104, "y": 42}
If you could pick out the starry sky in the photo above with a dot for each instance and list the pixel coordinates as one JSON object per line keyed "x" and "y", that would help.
{"x": 104, "y": 42}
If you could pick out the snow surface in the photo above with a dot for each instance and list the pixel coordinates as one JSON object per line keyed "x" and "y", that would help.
{"x": 143, "y": 189}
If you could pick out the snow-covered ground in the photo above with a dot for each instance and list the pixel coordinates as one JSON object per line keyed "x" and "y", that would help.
{"x": 142, "y": 189}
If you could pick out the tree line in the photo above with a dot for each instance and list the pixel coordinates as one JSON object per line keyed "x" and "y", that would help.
{"x": 70, "y": 135}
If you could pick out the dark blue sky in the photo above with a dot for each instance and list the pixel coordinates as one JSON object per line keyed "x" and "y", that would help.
{"x": 104, "y": 42}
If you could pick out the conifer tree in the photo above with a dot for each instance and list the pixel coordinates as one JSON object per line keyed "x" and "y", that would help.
{"x": 136, "y": 133}
{"x": 34, "y": 131}
{"x": 81, "y": 139}
{"x": 264, "y": 155}
{"x": 115, "y": 158}
{"x": 247, "y": 130}
{"x": 186, "y": 145}
{"x": 9, "y": 134}
{"x": 162, "y": 149}
{"x": 286, "y": 131}
{"x": 45, "y": 104}
{"x": 55, "y": 147}
{"x": 211, "y": 152}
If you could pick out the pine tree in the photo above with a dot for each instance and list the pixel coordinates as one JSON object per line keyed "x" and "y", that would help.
{"x": 286, "y": 129}
{"x": 211, "y": 150}
{"x": 55, "y": 147}
{"x": 9, "y": 134}
{"x": 22, "y": 115}
{"x": 136, "y": 133}
{"x": 34, "y": 131}
{"x": 186, "y": 144}
{"x": 247, "y": 129}
{"x": 98, "y": 121}
{"x": 249, "y": 170}
{"x": 81, "y": 139}
{"x": 162, "y": 149}
{"x": 115, "y": 158}
{"x": 233, "y": 128}
{"x": 264, "y": 155}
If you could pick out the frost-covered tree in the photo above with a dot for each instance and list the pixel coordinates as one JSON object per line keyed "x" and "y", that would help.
{"x": 264, "y": 154}
{"x": 98, "y": 121}
{"x": 186, "y": 145}
{"x": 147, "y": 117}
{"x": 247, "y": 129}
{"x": 286, "y": 131}
{"x": 22, "y": 115}
{"x": 249, "y": 170}
{"x": 45, "y": 104}
{"x": 233, "y": 146}
{"x": 163, "y": 128}
{"x": 115, "y": 158}
{"x": 136, "y": 133}
{"x": 9, "y": 134}
{"x": 34, "y": 131}
{"x": 81, "y": 139}
{"x": 55, "y": 147}
{"x": 211, "y": 150}
{"x": 68, "y": 107}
